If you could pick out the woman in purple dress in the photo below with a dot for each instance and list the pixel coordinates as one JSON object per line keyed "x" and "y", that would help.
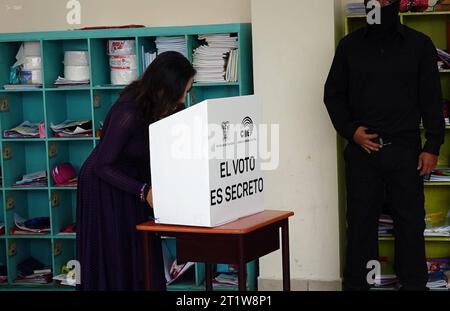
{"x": 114, "y": 191}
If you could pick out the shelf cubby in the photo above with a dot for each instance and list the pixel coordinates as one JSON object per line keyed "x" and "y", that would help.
{"x": 54, "y": 57}
{"x": 63, "y": 210}
{"x": 100, "y": 69}
{"x": 8, "y": 52}
{"x": 27, "y": 204}
{"x": 21, "y": 158}
{"x": 145, "y": 45}
{"x": 67, "y": 105}
{"x": 16, "y": 108}
{"x": 21, "y": 249}
{"x": 102, "y": 103}
{"x": 433, "y": 25}
{"x": 63, "y": 252}
{"x": 73, "y": 152}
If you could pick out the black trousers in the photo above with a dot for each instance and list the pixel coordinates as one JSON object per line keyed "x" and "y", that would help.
{"x": 388, "y": 176}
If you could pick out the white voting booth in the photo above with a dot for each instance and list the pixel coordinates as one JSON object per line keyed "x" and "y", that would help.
{"x": 204, "y": 163}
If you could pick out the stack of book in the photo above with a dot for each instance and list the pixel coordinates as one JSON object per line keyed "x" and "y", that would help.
{"x": 444, "y": 59}
{"x": 37, "y": 179}
{"x": 437, "y": 280}
{"x": 443, "y": 231}
{"x": 71, "y": 128}
{"x": 439, "y": 175}
{"x": 386, "y": 280}
{"x": 385, "y": 225}
{"x": 33, "y": 226}
{"x": 438, "y": 273}
{"x": 356, "y": 8}
{"x": 165, "y": 44}
{"x": 217, "y": 59}
{"x": 33, "y": 272}
{"x": 225, "y": 280}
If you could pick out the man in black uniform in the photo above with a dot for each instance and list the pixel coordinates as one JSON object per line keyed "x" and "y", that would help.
{"x": 384, "y": 80}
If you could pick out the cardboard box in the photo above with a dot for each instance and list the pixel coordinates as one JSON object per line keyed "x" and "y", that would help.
{"x": 205, "y": 165}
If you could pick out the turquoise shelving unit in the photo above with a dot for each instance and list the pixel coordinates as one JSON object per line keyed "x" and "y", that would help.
{"x": 53, "y": 105}
{"x": 437, "y": 194}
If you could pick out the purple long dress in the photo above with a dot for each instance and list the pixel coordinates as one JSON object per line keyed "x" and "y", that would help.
{"x": 108, "y": 206}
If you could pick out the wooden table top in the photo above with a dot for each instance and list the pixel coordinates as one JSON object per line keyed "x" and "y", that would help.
{"x": 241, "y": 226}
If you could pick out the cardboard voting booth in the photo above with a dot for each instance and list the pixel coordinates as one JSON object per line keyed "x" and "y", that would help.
{"x": 204, "y": 163}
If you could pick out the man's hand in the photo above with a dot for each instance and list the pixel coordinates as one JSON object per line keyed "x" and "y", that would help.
{"x": 427, "y": 163}
{"x": 365, "y": 140}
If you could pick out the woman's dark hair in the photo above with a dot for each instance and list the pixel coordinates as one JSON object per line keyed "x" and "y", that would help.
{"x": 158, "y": 92}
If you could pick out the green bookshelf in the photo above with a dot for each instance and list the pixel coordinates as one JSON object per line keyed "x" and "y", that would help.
{"x": 437, "y": 194}
{"x": 50, "y": 104}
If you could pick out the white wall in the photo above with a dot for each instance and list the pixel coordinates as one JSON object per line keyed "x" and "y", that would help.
{"x": 42, "y": 15}
{"x": 294, "y": 43}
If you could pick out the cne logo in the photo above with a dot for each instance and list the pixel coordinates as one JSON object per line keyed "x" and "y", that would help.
{"x": 247, "y": 127}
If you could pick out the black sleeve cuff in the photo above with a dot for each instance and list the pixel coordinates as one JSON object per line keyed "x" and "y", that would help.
{"x": 349, "y": 131}
{"x": 432, "y": 147}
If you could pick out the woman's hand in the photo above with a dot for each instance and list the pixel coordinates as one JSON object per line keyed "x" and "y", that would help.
{"x": 150, "y": 198}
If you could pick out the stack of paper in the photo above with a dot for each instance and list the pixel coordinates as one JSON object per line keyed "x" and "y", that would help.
{"x": 356, "y": 8}
{"x": 65, "y": 82}
{"x": 217, "y": 60}
{"x": 385, "y": 225}
{"x": 440, "y": 175}
{"x": 38, "y": 179}
{"x": 24, "y": 130}
{"x": 437, "y": 280}
{"x": 386, "y": 280}
{"x": 70, "y": 128}
{"x": 439, "y": 231}
{"x": 225, "y": 280}
{"x": 32, "y": 271}
{"x": 165, "y": 44}
{"x": 444, "y": 59}
{"x": 66, "y": 279}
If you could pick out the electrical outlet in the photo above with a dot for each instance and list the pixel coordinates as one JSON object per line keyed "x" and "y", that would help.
{"x": 4, "y": 104}
{"x": 7, "y": 152}
{"x": 12, "y": 249}
{"x": 57, "y": 248}
{"x": 52, "y": 150}
{"x": 10, "y": 203}
{"x": 97, "y": 101}
{"x": 55, "y": 199}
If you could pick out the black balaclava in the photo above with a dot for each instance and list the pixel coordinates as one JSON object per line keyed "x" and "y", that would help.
{"x": 389, "y": 17}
